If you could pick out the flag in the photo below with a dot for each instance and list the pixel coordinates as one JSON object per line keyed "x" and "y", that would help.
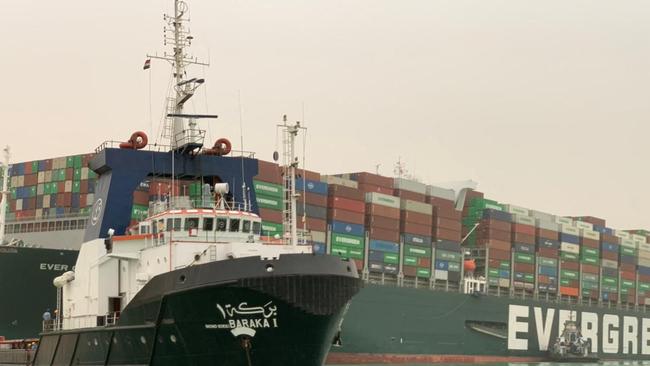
{"x": 147, "y": 64}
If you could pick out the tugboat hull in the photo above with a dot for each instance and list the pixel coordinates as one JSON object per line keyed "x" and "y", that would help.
{"x": 204, "y": 315}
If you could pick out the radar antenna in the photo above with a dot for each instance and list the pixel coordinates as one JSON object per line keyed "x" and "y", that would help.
{"x": 182, "y": 137}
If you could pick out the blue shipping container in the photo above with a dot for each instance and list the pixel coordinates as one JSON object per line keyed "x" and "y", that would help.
{"x": 504, "y": 273}
{"x": 568, "y": 238}
{"x": 311, "y": 186}
{"x": 497, "y": 215}
{"x": 417, "y": 240}
{"x": 524, "y": 248}
{"x": 375, "y": 256}
{"x": 347, "y": 228}
{"x": 452, "y": 246}
{"x": 548, "y": 243}
{"x": 547, "y": 271}
{"x": 318, "y": 248}
{"x": 442, "y": 265}
{"x": 384, "y": 246}
{"x": 644, "y": 270}
{"x": 609, "y": 247}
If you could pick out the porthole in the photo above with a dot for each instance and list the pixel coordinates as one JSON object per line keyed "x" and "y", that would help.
{"x": 95, "y": 342}
{"x": 172, "y": 338}
{"x": 269, "y": 268}
{"x": 181, "y": 279}
{"x": 143, "y": 340}
{"x": 158, "y": 260}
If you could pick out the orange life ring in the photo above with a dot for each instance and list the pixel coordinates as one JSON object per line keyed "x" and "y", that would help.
{"x": 138, "y": 140}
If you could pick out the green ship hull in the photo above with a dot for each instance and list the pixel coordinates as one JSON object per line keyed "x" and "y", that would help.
{"x": 409, "y": 325}
{"x": 232, "y": 313}
{"x": 26, "y": 289}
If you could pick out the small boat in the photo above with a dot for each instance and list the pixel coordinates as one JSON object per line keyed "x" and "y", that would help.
{"x": 571, "y": 346}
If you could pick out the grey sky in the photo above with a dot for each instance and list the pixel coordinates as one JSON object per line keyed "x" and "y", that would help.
{"x": 544, "y": 103}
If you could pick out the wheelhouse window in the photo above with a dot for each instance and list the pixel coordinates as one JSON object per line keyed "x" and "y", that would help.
{"x": 170, "y": 224}
{"x": 191, "y": 223}
{"x": 234, "y": 225}
{"x": 51, "y": 226}
{"x": 73, "y": 225}
{"x": 66, "y": 225}
{"x": 208, "y": 223}
{"x": 257, "y": 228}
{"x": 59, "y": 225}
{"x": 177, "y": 224}
{"x": 246, "y": 226}
{"x": 222, "y": 224}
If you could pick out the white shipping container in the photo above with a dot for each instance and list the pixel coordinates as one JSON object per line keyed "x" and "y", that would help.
{"x": 331, "y": 179}
{"x": 39, "y": 213}
{"x": 318, "y": 236}
{"x": 90, "y": 199}
{"x": 441, "y": 275}
{"x": 568, "y": 229}
{"x": 622, "y": 234}
{"x": 20, "y": 181}
{"x": 68, "y": 186}
{"x": 444, "y": 193}
{"x": 570, "y": 248}
{"x": 13, "y": 182}
{"x": 409, "y": 185}
{"x": 547, "y": 225}
{"x": 48, "y": 176}
{"x": 590, "y": 234}
{"x": 382, "y": 199}
{"x": 40, "y": 188}
{"x": 609, "y": 263}
{"x": 584, "y": 225}
{"x": 645, "y": 247}
{"x": 414, "y": 206}
{"x": 46, "y": 201}
{"x": 516, "y": 210}
{"x": 19, "y": 204}
{"x": 639, "y": 237}
{"x": 526, "y": 220}
{"x": 563, "y": 220}
{"x": 504, "y": 282}
{"x": 84, "y": 173}
{"x": 629, "y": 243}
{"x": 543, "y": 216}
{"x": 40, "y": 177}
{"x": 645, "y": 259}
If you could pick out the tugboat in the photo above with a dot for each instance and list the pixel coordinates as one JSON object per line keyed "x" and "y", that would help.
{"x": 195, "y": 283}
{"x": 570, "y": 346}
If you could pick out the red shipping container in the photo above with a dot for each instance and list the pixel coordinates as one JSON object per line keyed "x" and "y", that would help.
{"x": 609, "y": 238}
{"x": 547, "y": 234}
{"x": 313, "y": 224}
{"x": 523, "y": 238}
{"x": 268, "y": 172}
{"x": 271, "y": 215}
{"x": 447, "y": 213}
{"x": 378, "y": 210}
{"x": 409, "y": 271}
{"x": 472, "y": 194}
{"x": 384, "y": 223}
{"x": 345, "y": 216}
{"x": 569, "y": 291}
{"x": 444, "y": 234}
{"x": 630, "y": 276}
{"x": 69, "y": 173}
{"x": 60, "y": 200}
{"x": 408, "y": 195}
{"x": 495, "y": 244}
{"x": 374, "y": 179}
{"x": 441, "y": 203}
{"x": 448, "y": 224}
{"x": 627, "y": 267}
{"x": 82, "y": 199}
{"x": 139, "y": 197}
{"x": 374, "y": 188}
{"x": 644, "y": 278}
{"x": 547, "y": 252}
{"x": 383, "y": 234}
{"x": 589, "y": 268}
{"x": 83, "y": 187}
{"x": 67, "y": 199}
{"x": 612, "y": 256}
{"x": 489, "y": 233}
{"x": 308, "y": 174}
{"x": 495, "y": 224}
{"x": 347, "y": 204}
{"x": 499, "y": 254}
{"x": 48, "y": 164}
{"x": 544, "y": 280}
{"x": 590, "y": 243}
{"x": 494, "y": 263}
{"x": 524, "y": 267}
{"x": 31, "y": 180}
{"x": 424, "y": 262}
{"x": 571, "y": 266}
{"x": 524, "y": 229}
{"x": 335, "y": 190}
{"x": 12, "y": 205}
{"x": 411, "y": 228}
{"x": 613, "y": 297}
{"x": 359, "y": 264}
{"x": 28, "y": 168}
{"x": 313, "y": 199}
{"x": 417, "y": 218}
{"x": 593, "y": 294}
{"x": 591, "y": 220}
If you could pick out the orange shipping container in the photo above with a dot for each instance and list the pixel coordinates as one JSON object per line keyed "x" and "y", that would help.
{"x": 448, "y": 224}
{"x": 442, "y": 207}
{"x": 444, "y": 234}
{"x": 416, "y": 218}
{"x": 408, "y": 195}
{"x": 347, "y": 204}
{"x": 569, "y": 291}
{"x": 373, "y": 188}
{"x": 547, "y": 234}
{"x": 378, "y": 210}
{"x": 524, "y": 229}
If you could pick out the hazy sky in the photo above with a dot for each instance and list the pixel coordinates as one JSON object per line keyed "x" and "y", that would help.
{"x": 544, "y": 103}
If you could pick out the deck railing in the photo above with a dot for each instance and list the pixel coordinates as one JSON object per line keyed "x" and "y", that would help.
{"x": 17, "y": 356}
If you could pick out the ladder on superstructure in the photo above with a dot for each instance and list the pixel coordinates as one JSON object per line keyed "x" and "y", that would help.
{"x": 289, "y": 214}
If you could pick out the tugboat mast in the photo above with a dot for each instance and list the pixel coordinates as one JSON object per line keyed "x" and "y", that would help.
{"x": 4, "y": 169}
{"x": 290, "y": 132}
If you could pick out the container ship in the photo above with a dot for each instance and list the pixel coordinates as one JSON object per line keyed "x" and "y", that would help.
{"x": 450, "y": 274}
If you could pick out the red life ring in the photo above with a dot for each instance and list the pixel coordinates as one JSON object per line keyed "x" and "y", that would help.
{"x": 222, "y": 147}
{"x": 138, "y": 140}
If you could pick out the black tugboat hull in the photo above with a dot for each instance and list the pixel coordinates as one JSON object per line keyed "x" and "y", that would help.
{"x": 204, "y": 315}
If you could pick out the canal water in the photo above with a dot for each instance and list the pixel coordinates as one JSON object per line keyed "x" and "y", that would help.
{"x": 602, "y": 363}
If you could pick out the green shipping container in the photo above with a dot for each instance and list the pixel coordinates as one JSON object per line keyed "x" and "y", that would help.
{"x": 271, "y": 228}
{"x": 410, "y": 261}
{"x": 77, "y": 174}
{"x": 391, "y": 258}
{"x": 34, "y": 166}
{"x": 590, "y": 260}
{"x": 453, "y": 266}
{"x": 349, "y": 241}
{"x": 504, "y": 265}
{"x": 589, "y": 277}
{"x": 644, "y": 286}
{"x": 268, "y": 189}
{"x": 417, "y": 251}
{"x": 610, "y": 281}
{"x": 269, "y": 202}
{"x": 77, "y": 161}
{"x": 355, "y": 253}
{"x": 590, "y": 285}
{"x": 628, "y": 284}
{"x": 586, "y": 251}
{"x": 524, "y": 258}
{"x": 423, "y": 272}
{"x": 569, "y": 256}
{"x": 447, "y": 256}
{"x": 529, "y": 277}
{"x": 548, "y": 262}
{"x": 69, "y": 162}
{"x": 32, "y": 191}
{"x": 571, "y": 275}
{"x": 493, "y": 273}
{"x": 628, "y": 251}
{"x": 139, "y": 212}
{"x": 76, "y": 187}
{"x": 339, "y": 250}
